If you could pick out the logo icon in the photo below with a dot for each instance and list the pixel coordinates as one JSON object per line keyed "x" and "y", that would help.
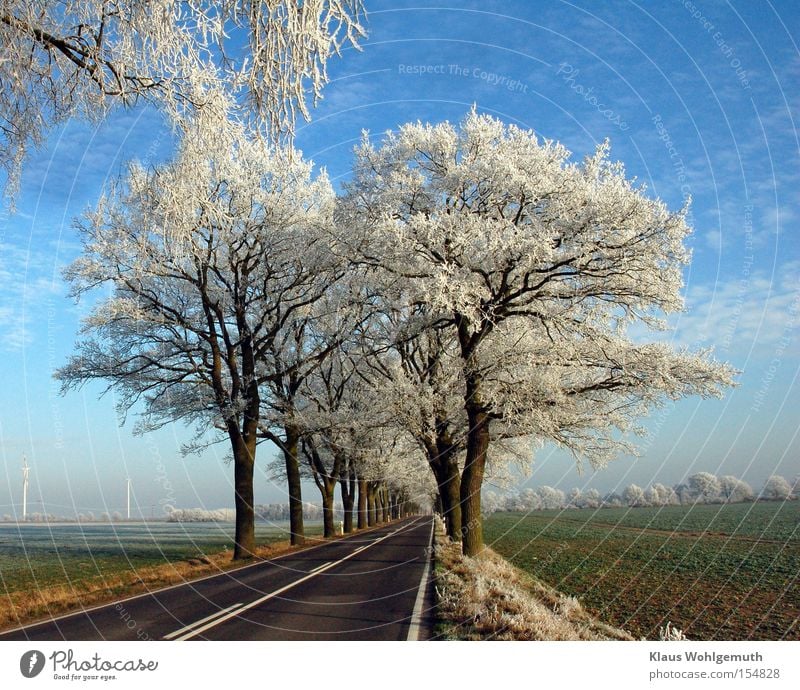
{"x": 31, "y": 663}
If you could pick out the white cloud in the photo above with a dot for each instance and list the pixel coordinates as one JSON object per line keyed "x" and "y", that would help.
{"x": 30, "y": 280}
{"x": 746, "y": 316}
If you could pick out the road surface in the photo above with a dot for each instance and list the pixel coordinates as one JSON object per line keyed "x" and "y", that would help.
{"x": 369, "y": 586}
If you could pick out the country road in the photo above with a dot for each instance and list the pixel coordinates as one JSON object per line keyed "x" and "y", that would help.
{"x": 368, "y": 586}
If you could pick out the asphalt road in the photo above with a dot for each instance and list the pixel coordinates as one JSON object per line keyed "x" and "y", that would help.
{"x": 368, "y": 586}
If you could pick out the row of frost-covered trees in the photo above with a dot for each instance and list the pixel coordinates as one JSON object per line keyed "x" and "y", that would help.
{"x": 466, "y": 295}
{"x": 702, "y": 487}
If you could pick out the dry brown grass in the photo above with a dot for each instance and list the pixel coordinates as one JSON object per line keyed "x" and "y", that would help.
{"x": 486, "y": 598}
{"x": 28, "y": 606}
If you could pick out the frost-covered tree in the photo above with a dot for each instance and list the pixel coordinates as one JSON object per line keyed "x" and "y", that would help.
{"x": 491, "y": 503}
{"x": 591, "y": 499}
{"x": 529, "y": 500}
{"x": 704, "y": 486}
{"x": 660, "y": 495}
{"x": 416, "y": 379}
{"x": 633, "y": 496}
{"x": 209, "y": 260}
{"x": 734, "y": 490}
{"x": 305, "y": 334}
{"x": 776, "y": 488}
{"x": 331, "y": 420}
{"x": 574, "y": 498}
{"x": 537, "y": 265}
{"x": 80, "y": 57}
{"x": 550, "y": 498}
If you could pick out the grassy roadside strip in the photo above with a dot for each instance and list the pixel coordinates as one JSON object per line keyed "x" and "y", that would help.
{"x": 486, "y": 598}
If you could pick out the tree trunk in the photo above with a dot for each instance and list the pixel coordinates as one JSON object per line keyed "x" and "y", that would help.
{"x": 243, "y": 463}
{"x": 295, "y": 489}
{"x": 372, "y": 515}
{"x": 385, "y": 504}
{"x": 450, "y": 489}
{"x": 472, "y": 480}
{"x": 363, "y": 519}
{"x": 328, "y": 526}
{"x": 443, "y": 460}
{"x": 348, "y": 499}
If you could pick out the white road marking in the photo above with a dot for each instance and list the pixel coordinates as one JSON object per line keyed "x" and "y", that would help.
{"x": 320, "y": 567}
{"x": 285, "y": 588}
{"x": 415, "y": 627}
{"x": 219, "y": 613}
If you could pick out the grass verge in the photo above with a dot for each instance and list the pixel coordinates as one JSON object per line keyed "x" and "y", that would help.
{"x": 486, "y": 598}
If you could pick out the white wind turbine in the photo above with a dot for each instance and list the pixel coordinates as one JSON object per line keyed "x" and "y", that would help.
{"x": 25, "y": 481}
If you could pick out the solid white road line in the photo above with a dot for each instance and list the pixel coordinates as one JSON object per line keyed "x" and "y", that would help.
{"x": 320, "y": 567}
{"x": 222, "y": 612}
{"x": 285, "y": 588}
{"x": 415, "y": 627}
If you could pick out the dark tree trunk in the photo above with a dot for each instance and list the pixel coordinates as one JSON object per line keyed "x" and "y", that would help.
{"x": 472, "y": 480}
{"x": 347, "y": 487}
{"x": 363, "y": 518}
{"x": 372, "y": 513}
{"x": 469, "y": 337}
{"x": 450, "y": 489}
{"x": 443, "y": 460}
{"x": 385, "y": 504}
{"x": 243, "y": 462}
{"x": 295, "y": 490}
{"x": 328, "y": 526}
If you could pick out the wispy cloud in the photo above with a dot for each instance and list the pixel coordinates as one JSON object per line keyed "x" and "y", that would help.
{"x": 747, "y": 316}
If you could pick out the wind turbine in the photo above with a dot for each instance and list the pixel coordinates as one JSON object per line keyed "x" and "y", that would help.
{"x": 128, "y": 480}
{"x": 25, "y": 481}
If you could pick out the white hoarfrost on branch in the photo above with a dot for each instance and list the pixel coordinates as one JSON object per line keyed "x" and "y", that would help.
{"x": 80, "y": 57}
{"x": 209, "y": 258}
{"x": 536, "y": 266}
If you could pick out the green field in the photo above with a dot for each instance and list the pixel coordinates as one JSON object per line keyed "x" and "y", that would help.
{"x": 36, "y": 556}
{"x": 718, "y": 572}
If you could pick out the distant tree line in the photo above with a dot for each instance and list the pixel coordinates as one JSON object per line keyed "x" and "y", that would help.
{"x": 271, "y": 512}
{"x": 699, "y": 488}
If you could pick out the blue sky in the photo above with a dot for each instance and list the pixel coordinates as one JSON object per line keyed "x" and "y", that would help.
{"x": 698, "y": 98}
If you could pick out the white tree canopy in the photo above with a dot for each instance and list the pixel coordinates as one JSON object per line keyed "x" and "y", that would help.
{"x": 211, "y": 259}
{"x": 733, "y": 489}
{"x": 706, "y": 486}
{"x": 538, "y": 266}
{"x": 776, "y": 488}
{"x": 78, "y": 57}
